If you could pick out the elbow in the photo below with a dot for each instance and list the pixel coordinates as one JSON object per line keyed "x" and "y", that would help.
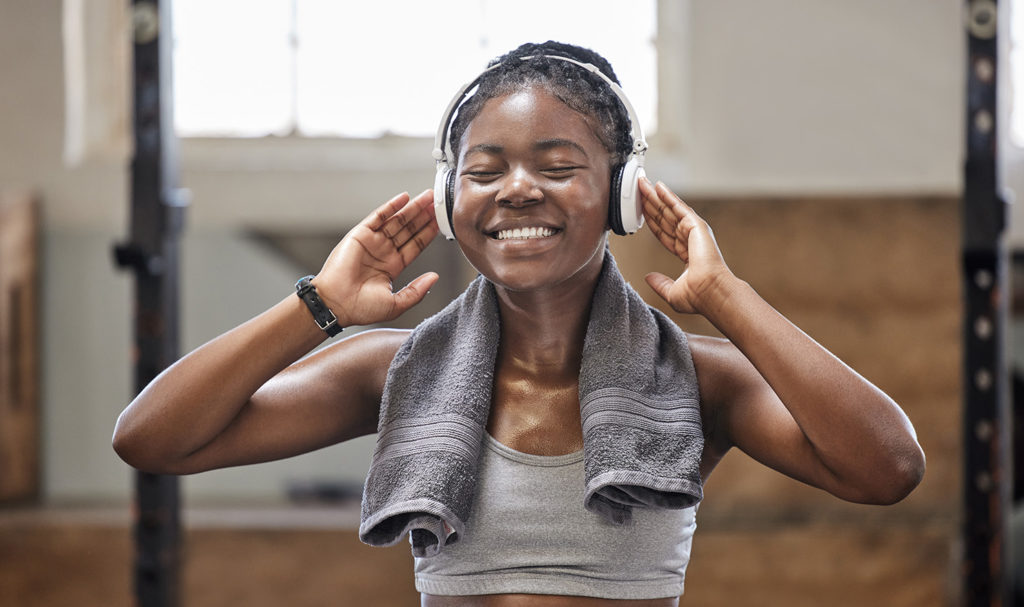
{"x": 140, "y": 459}
{"x": 122, "y": 443}
{"x": 133, "y": 451}
{"x": 905, "y": 474}
{"x": 129, "y": 450}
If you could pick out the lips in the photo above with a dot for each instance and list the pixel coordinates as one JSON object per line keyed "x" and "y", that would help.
{"x": 524, "y": 233}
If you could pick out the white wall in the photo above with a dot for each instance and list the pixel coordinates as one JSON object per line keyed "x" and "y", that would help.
{"x": 788, "y": 96}
{"x": 826, "y": 96}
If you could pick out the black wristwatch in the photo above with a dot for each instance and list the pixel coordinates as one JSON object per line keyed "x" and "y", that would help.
{"x": 324, "y": 317}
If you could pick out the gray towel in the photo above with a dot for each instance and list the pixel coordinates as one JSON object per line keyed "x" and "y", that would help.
{"x": 642, "y": 434}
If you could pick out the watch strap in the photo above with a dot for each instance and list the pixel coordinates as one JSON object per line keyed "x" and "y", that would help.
{"x": 324, "y": 317}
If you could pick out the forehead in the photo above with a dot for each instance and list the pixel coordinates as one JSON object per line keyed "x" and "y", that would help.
{"x": 530, "y": 114}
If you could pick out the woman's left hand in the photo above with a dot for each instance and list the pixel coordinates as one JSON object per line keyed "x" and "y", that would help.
{"x": 689, "y": 237}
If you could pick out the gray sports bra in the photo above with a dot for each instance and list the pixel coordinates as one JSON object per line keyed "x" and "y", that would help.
{"x": 529, "y": 533}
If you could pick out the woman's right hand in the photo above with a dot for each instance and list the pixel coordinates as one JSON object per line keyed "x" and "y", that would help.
{"x": 356, "y": 280}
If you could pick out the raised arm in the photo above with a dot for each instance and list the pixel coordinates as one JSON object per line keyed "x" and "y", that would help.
{"x": 775, "y": 393}
{"x": 242, "y": 397}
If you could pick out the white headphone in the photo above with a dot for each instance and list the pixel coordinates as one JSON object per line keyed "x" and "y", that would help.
{"x": 625, "y": 213}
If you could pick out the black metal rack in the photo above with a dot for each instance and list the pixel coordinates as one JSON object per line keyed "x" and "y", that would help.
{"x": 986, "y": 416}
{"x": 151, "y": 252}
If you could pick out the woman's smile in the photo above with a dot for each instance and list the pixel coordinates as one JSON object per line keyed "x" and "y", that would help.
{"x": 529, "y": 233}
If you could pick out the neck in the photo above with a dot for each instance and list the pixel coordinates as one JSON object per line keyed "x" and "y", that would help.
{"x": 545, "y": 330}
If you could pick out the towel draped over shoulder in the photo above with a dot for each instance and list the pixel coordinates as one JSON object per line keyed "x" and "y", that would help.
{"x": 639, "y": 400}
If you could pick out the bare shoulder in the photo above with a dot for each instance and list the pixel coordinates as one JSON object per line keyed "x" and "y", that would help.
{"x": 717, "y": 362}
{"x": 725, "y": 377}
{"x": 359, "y": 362}
{"x": 341, "y": 383}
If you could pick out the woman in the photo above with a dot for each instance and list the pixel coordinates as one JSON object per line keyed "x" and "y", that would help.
{"x": 535, "y": 150}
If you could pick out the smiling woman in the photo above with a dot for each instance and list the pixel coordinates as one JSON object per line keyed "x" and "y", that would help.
{"x": 545, "y": 439}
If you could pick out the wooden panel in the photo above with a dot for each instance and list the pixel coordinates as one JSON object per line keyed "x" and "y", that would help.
{"x": 19, "y": 393}
{"x": 61, "y": 563}
{"x": 809, "y": 565}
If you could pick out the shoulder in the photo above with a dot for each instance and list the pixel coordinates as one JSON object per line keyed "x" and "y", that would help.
{"x": 372, "y": 348}
{"x": 725, "y": 378}
{"x": 379, "y": 344}
{"x": 358, "y": 363}
{"x": 716, "y": 361}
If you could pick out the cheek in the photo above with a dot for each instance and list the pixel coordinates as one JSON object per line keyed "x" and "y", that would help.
{"x": 595, "y": 195}
{"x": 466, "y": 198}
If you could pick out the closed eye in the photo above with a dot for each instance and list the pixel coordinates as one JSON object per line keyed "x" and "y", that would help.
{"x": 482, "y": 175}
{"x": 561, "y": 171}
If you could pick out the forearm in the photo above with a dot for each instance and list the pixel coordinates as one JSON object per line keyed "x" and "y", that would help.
{"x": 196, "y": 398}
{"x": 857, "y": 432}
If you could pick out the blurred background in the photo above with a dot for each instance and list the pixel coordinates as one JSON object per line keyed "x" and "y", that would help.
{"x": 822, "y": 139}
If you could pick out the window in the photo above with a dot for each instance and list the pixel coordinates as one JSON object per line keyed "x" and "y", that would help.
{"x": 1016, "y": 62}
{"x": 330, "y": 68}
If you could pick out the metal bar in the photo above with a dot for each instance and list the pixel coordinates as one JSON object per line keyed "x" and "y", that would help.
{"x": 157, "y": 214}
{"x": 986, "y": 415}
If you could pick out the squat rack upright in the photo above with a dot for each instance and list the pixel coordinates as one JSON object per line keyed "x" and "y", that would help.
{"x": 152, "y": 253}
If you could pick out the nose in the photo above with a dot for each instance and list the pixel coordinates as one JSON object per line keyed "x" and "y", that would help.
{"x": 519, "y": 188}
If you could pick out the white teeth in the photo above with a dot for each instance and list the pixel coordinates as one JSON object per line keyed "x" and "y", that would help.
{"x": 524, "y": 233}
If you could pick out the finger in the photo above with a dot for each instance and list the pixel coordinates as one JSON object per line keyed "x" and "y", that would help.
{"x": 420, "y": 229}
{"x": 675, "y": 245}
{"x": 665, "y": 229}
{"x": 410, "y": 213}
{"x": 652, "y": 198}
{"x": 382, "y": 213}
{"x": 425, "y": 200}
{"x": 654, "y": 208}
{"x": 664, "y": 214}
{"x": 660, "y": 283}
{"x": 678, "y": 206}
{"x": 413, "y": 227}
{"x": 692, "y": 227}
{"x": 419, "y": 241}
{"x": 417, "y": 212}
{"x": 667, "y": 238}
{"x": 414, "y": 292}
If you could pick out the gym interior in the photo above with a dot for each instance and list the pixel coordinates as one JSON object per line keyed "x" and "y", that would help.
{"x": 827, "y": 144}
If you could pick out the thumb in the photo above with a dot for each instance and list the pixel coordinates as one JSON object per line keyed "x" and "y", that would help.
{"x": 414, "y": 292}
{"x": 660, "y": 283}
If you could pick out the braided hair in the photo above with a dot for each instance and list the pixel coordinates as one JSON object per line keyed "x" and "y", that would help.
{"x": 573, "y": 85}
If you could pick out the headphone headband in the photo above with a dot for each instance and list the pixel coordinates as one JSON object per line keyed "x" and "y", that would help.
{"x": 625, "y": 214}
{"x": 442, "y": 152}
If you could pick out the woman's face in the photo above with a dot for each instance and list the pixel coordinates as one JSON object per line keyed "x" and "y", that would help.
{"x": 531, "y": 192}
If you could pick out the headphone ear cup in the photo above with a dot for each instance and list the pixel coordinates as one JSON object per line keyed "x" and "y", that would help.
{"x": 449, "y": 200}
{"x": 444, "y": 199}
{"x": 614, "y": 201}
{"x": 627, "y": 203}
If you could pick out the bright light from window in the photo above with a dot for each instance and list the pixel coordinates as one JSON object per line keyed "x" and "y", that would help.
{"x": 1017, "y": 74}
{"x": 246, "y": 68}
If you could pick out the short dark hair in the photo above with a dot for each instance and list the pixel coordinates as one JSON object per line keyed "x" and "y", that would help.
{"x": 572, "y": 84}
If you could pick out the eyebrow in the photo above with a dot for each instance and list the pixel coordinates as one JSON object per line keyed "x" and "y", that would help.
{"x": 547, "y": 144}
{"x": 486, "y": 148}
{"x": 542, "y": 145}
